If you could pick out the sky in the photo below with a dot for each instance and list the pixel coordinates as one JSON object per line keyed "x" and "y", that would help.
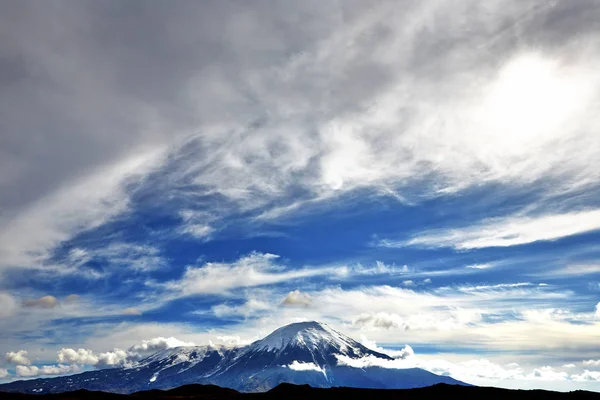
{"x": 412, "y": 173}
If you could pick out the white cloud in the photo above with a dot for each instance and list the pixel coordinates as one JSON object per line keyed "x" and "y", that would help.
{"x": 380, "y": 320}
{"x": 32, "y": 370}
{"x": 569, "y": 366}
{"x": 480, "y": 266}
{"x": 507, "y": 231}
{"x": 475, "y": 371}
{"x": 297, "y": 298}
{"x": 72, "y": 298}
{"x": 118, "y": 255}
{"x": 494, "y": 287}
{"x": 403, "y": 353}
{"x": 305, "y": 366}
{"x": 131, "y": 311}
{"x": 507, "y": 316}
{"x": 3, "y": 373}
{"x": 379, "y": 268}
{"x": 256, "y": 269}
{"x": 79, "y": 356}
{"x": 547, "y": 373}
{"x": 42, "y": 302}
{"x": 545, "y": 316}
{"x": 593, "y": 363}
{"x": 597, "y": 314}
{"x": 158, "y": 343}
{"x": 118, "y": 357}
{"x": 27, "y": 371}
{"x": 574, "y": 270}
{"x": 477, "y": 134}
{"x": 232, "y": 340}
{"x": 199, "y": 230}
{"x": 17, "y": 357}
{"x": 27, "y": 239}
{"x": 8, "y": 305}
{"x": 586, "y": 376}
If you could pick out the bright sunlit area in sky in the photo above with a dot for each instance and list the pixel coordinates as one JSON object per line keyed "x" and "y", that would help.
{"x": 416, "y": 181}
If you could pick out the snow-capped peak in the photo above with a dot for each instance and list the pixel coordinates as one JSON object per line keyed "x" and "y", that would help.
{"x": 310, "y": 334}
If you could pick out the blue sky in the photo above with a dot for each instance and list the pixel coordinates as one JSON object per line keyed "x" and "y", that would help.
{"x": 411, "y": 173}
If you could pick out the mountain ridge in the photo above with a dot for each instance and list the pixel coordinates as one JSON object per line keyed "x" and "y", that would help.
{"x": 298, "y": 353}
{"x": 292, "y": 391}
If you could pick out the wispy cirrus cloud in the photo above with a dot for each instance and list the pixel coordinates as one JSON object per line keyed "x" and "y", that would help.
{"x": 255, "y": 269}
{"x": 505, "y": 232}
{"x": 293, "y": 143}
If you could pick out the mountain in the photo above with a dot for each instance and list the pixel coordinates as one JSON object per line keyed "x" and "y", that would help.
{"x": 300, "y": 353}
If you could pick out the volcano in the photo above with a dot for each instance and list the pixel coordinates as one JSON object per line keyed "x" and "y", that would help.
{"x": 301, "y": 353}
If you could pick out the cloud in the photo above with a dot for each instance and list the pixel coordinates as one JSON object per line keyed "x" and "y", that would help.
{"x": 8, "y": 305}
{"x": 367, "y": 361}
{"x": 17, "y": 357}
{"x": 256, "y": 269}
{"x": 574, "y": 270}
{"x": 403, "y": 353}
{"x": 586, "y": 376}
{"x": 158, "y": 343}
{"x": 3, "y": 373}
{"x": 72, "y": 298}
{"x": 198, "y": 230}
{"x": 232, "y": 340}
{"x": 32, "y": 370}
{"x": 569, "y": 366}
{"x": 597, "y": 314}
{"x": 80, "y": 356}
{"x": 380, "y": 320}
{"x": 196, "y": 223}
{"x": 471, "y": 371}
{"x": 480, "y": 266}
{"x": 118, "y": 255}
{"x": 27, "y": 239}
{"x": 118, "y": 357}
{"x": 507, "y": 316}
{"x": 42, "y": 302}
{"x": 305, "y": 366}
{"x": 548, "y": 373}
{"x": 297, "y": 298}
{"x": 131, "y": 311}
{"x": 506, "y": 231}
{"x": 379, "y": 268}
{"x": 498, "y": 286}
{"x": 291, "y": 143}
{"x": 593, "y": 363}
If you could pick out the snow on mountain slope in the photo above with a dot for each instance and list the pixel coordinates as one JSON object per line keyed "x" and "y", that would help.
{"x": 314, "y": 336}
{"x": 186, "y": 355}
{"x": 300, "y": 353}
